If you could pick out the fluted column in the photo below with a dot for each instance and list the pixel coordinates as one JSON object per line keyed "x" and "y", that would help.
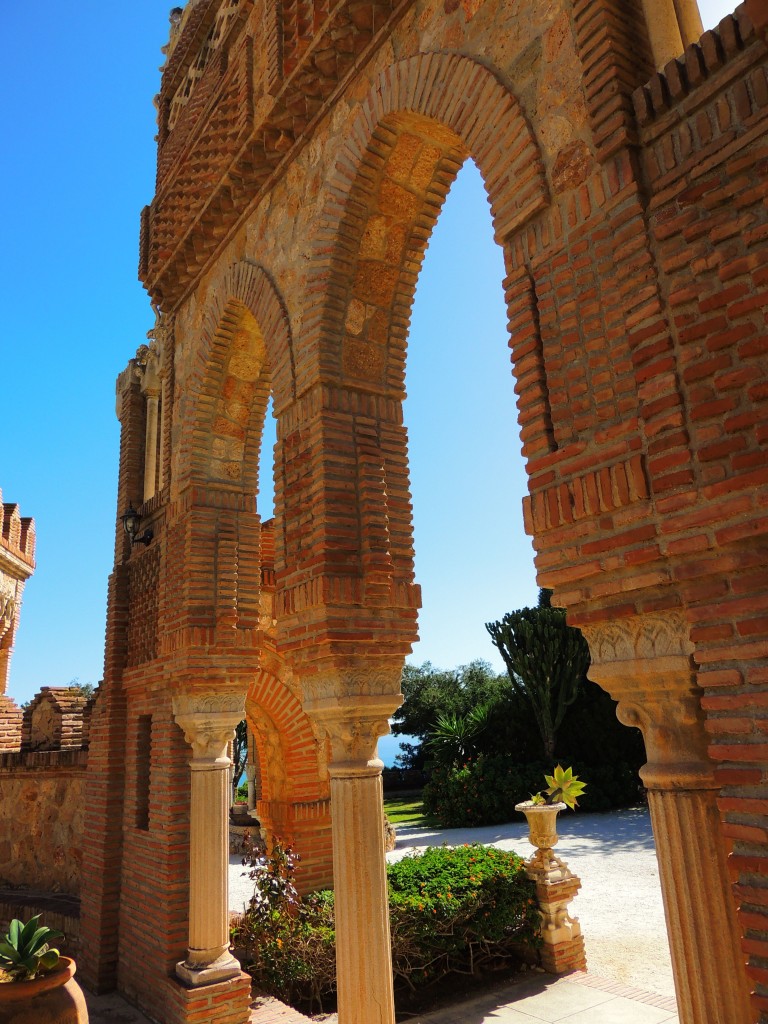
{"x": 646, "y": 665}
{"x": 150, "y": 446}
{"x": 250, "y": 776}
{"x": 363, "y": 949}
{"x": 209, "y": 723}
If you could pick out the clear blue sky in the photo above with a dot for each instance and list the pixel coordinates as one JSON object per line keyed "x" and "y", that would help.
{"x": 78, "y": 81}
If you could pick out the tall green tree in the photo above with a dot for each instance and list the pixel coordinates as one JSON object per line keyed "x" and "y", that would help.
{"x": 431, "y": 693}
{"x": 546, "y": 662}
{"x": 239, "y": 754}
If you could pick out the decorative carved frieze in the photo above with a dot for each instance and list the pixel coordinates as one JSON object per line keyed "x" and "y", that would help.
{"x": 648, "y": 636}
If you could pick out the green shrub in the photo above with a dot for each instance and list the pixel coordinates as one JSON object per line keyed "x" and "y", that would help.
{"x": 451, "y": 910}
{"x": 481, "y": 791}
{"x": 485, "y": 789}
{"x": 459, "y": 910}
{"x": 288, "y": 943}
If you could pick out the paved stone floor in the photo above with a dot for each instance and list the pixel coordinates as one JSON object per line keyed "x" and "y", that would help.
{"x": 578, "y": 999}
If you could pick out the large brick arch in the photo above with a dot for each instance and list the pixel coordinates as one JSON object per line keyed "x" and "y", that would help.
{"x": 420, "y": 121}
{"x": 415, "y": 127}
{"x": 245, "y": 351}
{"x": 634, "y": 233}
{"x": 294, "y": 803}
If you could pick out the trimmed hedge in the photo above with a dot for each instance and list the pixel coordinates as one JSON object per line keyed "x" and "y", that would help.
{"x": 484, "y": 789}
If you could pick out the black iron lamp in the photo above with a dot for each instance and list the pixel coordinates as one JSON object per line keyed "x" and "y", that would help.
{"x": 130, "y": 521}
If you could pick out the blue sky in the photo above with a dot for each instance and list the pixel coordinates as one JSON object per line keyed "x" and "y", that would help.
{"x": 78, "y": 167}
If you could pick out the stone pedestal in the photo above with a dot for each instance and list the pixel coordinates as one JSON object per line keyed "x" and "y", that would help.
{"x": 363, "y": 951}
{"x": 562, "y": 948}
{"x": 646, "y": 665}
{"x": 208, "y": 723}
{"x": 556, "y": 885}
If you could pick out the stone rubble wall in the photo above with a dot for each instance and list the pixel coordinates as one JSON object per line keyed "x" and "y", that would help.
{"x": 43, "y": 794}
{"x": 42, "y": 805}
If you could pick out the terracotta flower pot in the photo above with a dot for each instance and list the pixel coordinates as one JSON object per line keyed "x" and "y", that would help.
{"x": 542, "y": 823}
{"x": 53, "y": 998}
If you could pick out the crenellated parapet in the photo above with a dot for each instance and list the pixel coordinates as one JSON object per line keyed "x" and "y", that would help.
{"x": 58, "y": 718}
{"x": 17, "y": 563}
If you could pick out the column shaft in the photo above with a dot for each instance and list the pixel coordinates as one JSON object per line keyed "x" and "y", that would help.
{"x": 150, "y": 448}
{"x": 209, "y": 722}
{"x": 363, "y": 951}
{"x": 663, "y": 30}
{"x": 209, "y": 863}
{"x": 701, "y": 922}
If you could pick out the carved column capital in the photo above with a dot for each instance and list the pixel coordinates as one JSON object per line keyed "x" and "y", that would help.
{"x": 209, "y": 723}
{"x": 353, "y": 727}
{"x": 645, "y": 664}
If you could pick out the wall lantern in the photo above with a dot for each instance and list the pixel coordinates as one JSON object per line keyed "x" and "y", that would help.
{"x": 130, "y": 521}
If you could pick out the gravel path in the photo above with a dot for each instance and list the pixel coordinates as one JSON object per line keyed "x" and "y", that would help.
{"x": 619, "y": 905}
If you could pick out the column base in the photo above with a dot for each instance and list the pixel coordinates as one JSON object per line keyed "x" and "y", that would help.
{"x": 195, "y": 975}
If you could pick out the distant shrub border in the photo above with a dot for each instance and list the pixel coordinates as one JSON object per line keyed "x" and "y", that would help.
{"x": 484, "y": 790}
{"x": 453, "y": 910}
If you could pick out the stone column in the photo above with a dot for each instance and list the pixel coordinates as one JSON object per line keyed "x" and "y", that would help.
{"x": 209, "y": 723}
{"x": 250, "y": 777}
{"x": 150, "y": 446}
{"x": 646, "y": 665}
{"x": 663, "y": 30}
{"x": 689, "y": 20}
{"x": 363, "y": 951}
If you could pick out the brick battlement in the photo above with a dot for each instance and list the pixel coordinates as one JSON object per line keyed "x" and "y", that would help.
{"x": 686, "y": 76}
{"x": 18, "y": 534}
{"x": 57, "y": 720}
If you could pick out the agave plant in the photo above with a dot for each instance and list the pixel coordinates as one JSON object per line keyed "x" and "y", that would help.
{"x": 562, "y": 787}
{"x": 25, "y": 950}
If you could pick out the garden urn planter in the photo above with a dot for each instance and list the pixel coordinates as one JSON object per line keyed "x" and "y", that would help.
{"x": 542, "y": 822}
{"x": 53, "y": 998}
{"x": 544, "y": 865}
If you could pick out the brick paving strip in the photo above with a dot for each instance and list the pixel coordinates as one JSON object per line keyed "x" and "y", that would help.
{"x": 617, "y": 988}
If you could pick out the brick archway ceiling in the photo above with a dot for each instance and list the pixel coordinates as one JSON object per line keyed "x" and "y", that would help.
{"x": 213, "y": 170}
{"x": 276, "y": 716}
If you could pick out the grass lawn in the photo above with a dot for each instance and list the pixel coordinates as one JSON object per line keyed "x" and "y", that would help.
{"x": 405, "y": 809}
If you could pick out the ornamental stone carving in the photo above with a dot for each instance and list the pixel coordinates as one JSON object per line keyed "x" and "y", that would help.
{"x": 649, "y": 636}
{"x": 646, "y": 664}
{"x": 209, "y": 723}
{"x": 353, "y": 728}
